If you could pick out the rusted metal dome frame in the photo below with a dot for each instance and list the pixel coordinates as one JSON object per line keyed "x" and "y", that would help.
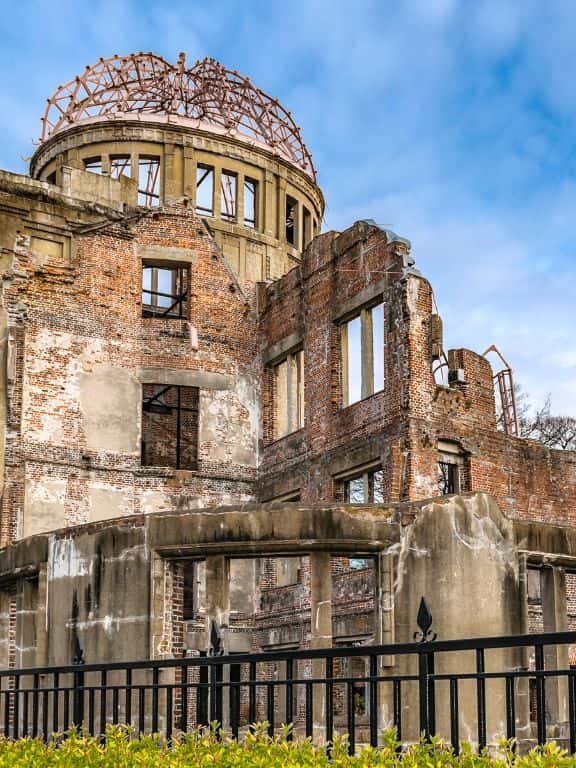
{"x": 207, "y": 94}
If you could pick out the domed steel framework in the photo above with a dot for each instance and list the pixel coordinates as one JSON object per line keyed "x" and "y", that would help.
{"x": 207, "y": 93}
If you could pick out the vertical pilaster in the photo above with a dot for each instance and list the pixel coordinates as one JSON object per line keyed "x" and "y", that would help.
{"x": 240, "y": 199}
{"x": 167, "y": 173}
{"x": 190, "y": 175}
{"x": 553, "y": 591}
{"x": 321, "y": 629}
{"x": 217, "y": 595}
{"x": 217, "y": 192}
{"x": 266, "y": 205}
{"x": 281, "y": 210}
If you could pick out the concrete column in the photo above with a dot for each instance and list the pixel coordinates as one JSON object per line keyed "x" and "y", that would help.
{"x": 167, "y": 174}
{"x": 217, "y": 192}
{"x": 190, "y": 175}
{"x": 384, "y": 632}
{"x": 321, "y": 629}
{"x": 553, "y": 591}
{"x": 218, "y": 610}
{"x": 281, "y": 210}
{"x": 159, "y": 642}
{"x": 106, "y": 165}
{"x": 520, "y": 657}
{"x": 240, "y": 199}
{"x": 26, "y": 617}
{"x": 217, "y": 595}
{"x": 266, "y": 204}
{"x": 178, "y": 170}
{"x": 41, "y": 616}
{"x": 135, "y": 173}
{"x": 367, "y": 353}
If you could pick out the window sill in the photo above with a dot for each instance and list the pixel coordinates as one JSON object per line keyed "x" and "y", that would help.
{"x": 152, "y": 471}
{"x": 285, "y": 437}
{"x": 363, "y": 400}
{"x": 163, "y": 317}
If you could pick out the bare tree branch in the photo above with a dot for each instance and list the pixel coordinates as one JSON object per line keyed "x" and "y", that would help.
{"x": 547, "y": 428}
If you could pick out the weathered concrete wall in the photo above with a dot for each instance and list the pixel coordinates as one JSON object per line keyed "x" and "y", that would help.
{"x": 461, "y": 555}
{"x": 452, "y": 550}
{"x": 116, "y": 586}
{"x": 99, "y": 591}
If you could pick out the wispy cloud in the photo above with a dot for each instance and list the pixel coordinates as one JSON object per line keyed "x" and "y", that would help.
{"x": 452, "y": 122}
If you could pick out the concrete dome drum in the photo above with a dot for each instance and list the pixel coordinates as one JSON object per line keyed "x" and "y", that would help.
{"x": 206, "y": 96}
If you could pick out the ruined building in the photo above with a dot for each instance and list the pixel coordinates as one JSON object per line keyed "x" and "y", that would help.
{"x": 213, "y": 411}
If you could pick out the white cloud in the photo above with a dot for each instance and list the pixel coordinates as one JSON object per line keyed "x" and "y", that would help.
{"x": 452, "y": 122}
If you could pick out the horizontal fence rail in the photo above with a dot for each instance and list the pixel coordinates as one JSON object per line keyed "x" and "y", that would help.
{"x": 476, "y": 690}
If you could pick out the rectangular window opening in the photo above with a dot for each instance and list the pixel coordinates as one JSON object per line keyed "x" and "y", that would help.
{"x": 291, "y": 216}
{"x": 93, "y": 165}
{"x": 170, "y": 426}
{"x": 165, "y": 291}
{"x": 289, "y": 395}
{"x": 149, "y": 181}
{"x": 189, "y": 587}
{"x": 362, "y": 344}
{"x": 365, "y": 488}
{"x": 228, "y": 191}
{"x": 205, "y": 190}
{"x": 250, "y": 202}
{"x": 448, "y": 478}
{"x": 120, "y": 166}
{"x": 452, "y": 468}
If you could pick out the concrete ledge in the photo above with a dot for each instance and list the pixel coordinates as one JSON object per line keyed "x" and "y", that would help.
{"x": 184, "y": 378}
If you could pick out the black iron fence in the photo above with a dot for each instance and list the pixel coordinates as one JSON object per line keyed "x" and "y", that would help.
{"x": 477, "y": 689}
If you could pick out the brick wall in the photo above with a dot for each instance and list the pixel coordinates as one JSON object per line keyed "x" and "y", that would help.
{"x": 73, "y": 450}
{"x": 401, "y": 426}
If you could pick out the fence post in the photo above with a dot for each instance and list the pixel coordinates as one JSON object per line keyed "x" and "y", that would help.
{"x": 78, "y": 687}
{"x": 426, "y": 692}
{"x": 216, "y": 675}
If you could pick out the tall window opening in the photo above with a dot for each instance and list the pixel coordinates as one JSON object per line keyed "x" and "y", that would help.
{"x": 205, "y": 190}
{"x": 452, "y": 474}
{"x": 149, "y": 181}
{"x": 306, "y": 226}
{"x": 362, "y": 340}
{"x": 188, "y": 591}
{"x": 228, "y": 191}
{"x": 291, "y": 220}
{"x": 170, "y": 426}
{"x": 250, "y": 192}
{"x": 165, "y": 291}
{"x": 120, "y": 166}
{"x": 289, "y": 394}
{"x": 93, "y": 165}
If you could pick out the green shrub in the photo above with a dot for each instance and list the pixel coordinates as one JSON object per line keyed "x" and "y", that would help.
{"x": 257, "y": 750}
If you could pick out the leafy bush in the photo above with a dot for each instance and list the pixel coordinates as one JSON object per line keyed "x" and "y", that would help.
{"x": 122, "y": 750}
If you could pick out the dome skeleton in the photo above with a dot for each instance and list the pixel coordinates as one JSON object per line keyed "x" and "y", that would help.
{"x": 206, "y": 93}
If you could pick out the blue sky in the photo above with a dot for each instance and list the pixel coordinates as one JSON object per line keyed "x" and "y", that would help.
{"x": 450, "y": 121}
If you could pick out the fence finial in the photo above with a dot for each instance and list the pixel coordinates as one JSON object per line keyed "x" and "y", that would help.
{"x": 78, "y": 658}
{"x": 216, "y": 641}
{"x": 424, "y": 621}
